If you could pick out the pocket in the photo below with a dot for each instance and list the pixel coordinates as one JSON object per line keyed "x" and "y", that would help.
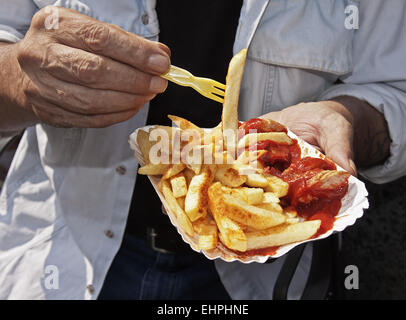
{"x": 304, "y": 34}
{"x": 138, "y": 17}
{"x": 77, "y": 5}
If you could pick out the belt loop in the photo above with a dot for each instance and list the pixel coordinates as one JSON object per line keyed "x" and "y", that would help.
{"x": 151, "y": 239}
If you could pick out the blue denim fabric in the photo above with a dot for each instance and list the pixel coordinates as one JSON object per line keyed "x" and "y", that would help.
{"x": 140, "y": 273}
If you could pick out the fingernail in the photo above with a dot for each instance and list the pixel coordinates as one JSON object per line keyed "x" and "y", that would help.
{"x": 159, "y": 63}
{"x": 158, "y": 84}
{"x": 353, "y": 167}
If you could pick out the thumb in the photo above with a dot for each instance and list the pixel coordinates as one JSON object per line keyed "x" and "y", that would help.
{"x": 338, "y": 147}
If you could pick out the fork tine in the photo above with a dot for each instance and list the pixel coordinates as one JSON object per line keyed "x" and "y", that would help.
{"x": 218, "y": 91}
{"x": 214, "y": 97}
{"x": 219, "y": 85}
{"x": 210, "y": 95}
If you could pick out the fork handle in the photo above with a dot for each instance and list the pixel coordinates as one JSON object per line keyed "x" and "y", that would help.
{"x": 178, "y": 75}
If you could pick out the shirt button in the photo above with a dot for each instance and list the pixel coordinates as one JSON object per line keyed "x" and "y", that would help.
{"x": 90, "y": 288}
{"x": 121, "y": 170}
{"x": 109, "y": 233}
{"x": 145, "y": 19}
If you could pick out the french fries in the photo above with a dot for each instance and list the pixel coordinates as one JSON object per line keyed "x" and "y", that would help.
{"x": 277, "y": 186}
{"x": 208, "y": 233}
{"x": 282, "y": 234}
{"x": 229, "y": 117}
{"x": 234, "y": 203}
{"x": 196, "y": 198}
{"x": 250, "y": 215}
{"x": 173, "y": 170}
{"x": 185, "y": 124}
{"x": 153, "y": 169}
{"x": 278, "y": 137}
{"x": 174, "y": 206}
{"x": 231, "y": 234}
{"x": 229, "y": 176}
{"x": 179, "y": 185}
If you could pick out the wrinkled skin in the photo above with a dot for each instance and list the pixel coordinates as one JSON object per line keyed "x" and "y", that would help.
{"x": 85, "y": 73}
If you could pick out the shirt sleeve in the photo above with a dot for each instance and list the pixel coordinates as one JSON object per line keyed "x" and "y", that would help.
{"x": 379, "y": 77}
{"x": 15, "y": 19}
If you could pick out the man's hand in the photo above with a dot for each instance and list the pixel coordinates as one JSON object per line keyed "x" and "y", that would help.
{"x": 346, "y": 129}
{"x": 85, "y": 73}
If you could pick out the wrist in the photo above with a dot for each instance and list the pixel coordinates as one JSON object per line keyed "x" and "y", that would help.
{"x": 15, "y": 113}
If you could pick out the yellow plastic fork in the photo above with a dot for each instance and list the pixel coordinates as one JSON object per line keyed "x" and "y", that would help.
{"x": 207, "y": 87}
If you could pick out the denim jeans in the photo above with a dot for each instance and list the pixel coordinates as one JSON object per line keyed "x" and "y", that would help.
{"x": 138, "y": 272}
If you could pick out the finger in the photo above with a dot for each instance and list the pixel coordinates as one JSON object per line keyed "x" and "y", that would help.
{"x": 275, "y": 115}
{"x": 98, "y": 72}
{"x": 300, "y": 127}
{"x": 54, "y": 115}
{"x": 83, "y": 32}
{"x": 82, "y": 100}
{"x": 337, "y": 144}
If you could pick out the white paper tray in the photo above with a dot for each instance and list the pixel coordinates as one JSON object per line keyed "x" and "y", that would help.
{"x": 353, "y": 205}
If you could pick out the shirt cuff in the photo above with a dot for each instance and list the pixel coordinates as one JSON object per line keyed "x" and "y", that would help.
{"x": 391, "y": 103}
{"x": 8, "y": 34}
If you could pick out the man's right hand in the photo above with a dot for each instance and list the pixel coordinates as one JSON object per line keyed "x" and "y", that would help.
{"x": 86, "y": 73}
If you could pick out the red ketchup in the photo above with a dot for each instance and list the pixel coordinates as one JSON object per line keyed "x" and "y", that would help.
{"x": 285, "y": 162}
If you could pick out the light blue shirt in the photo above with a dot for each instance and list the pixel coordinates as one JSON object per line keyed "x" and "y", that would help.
{"x": 65, "y": 202}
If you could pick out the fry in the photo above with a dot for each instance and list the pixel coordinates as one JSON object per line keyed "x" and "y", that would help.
{"x": 181, "y": 202}
{"x": 252, "y": 138}
{"x": 229, "y": 117}
{"x": 271, "y": 206}
{"x": 179, "y": 186}
{"x": 208, "y": 241}
{"x": 231, "y": 234}
{"x": 195, "y": 167}
{"x": 205, "y": 226}
{"x": 207, "y": 231}
{"x": 277, "y": 186}
{"x": 229, "y": 176}
{"x": 196, "y": 198}
{"x": 257, "y": 180}
{"x": 270, "y": 197}
{"x": 173, "y": 170}
{"x": 282, "y": 234}
{"x": 251, "y": 216}
{"x": 181, "y": 216}
{"x": 185, "y": 124}
{"x": 153, "y": 169}
{"x": 214, "y": 136}
{"x": 250, "y": 195}
{"x": 251, "y": 157}
{"x": 189, "y": 174}
{"x": 144, "y": 144}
